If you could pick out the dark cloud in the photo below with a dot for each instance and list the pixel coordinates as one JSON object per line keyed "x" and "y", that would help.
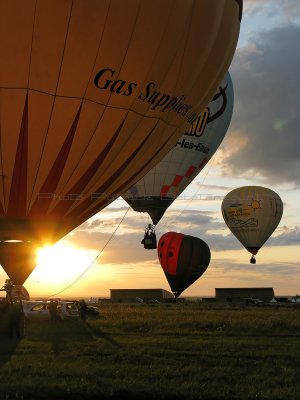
{"x": 194, "y": 218}
{"x": 200, "y": 224}
{"x": 189, "y": 222}
{"x": 290, "y": 8}
{"x": 117, "y": 243}
{"x": 252, "y": 7}
{"x": 110, "y": 218}
{"x": 267, "y": 272}
{"x": 212, "y": 188}
{"x": 218, "y": 242}
{"x": 124, "y": 246}
{"x": 96, "y": 224}
{"x": 264, "y": 141}
{"x": 289, "y": 236}
{"x": 222, "y": 243}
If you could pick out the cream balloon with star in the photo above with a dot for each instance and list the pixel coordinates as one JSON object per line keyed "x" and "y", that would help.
{"x": 252, "y": 213}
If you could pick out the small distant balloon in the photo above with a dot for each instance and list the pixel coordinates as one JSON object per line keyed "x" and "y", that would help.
{"x": 252, "y": 213}
{"x": 184, "y": 259}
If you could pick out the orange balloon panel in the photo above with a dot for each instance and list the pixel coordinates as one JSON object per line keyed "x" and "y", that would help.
{"x": 168, "y": 251}
{"x": 93, "y": 94}
{"x": 17, "y": 260}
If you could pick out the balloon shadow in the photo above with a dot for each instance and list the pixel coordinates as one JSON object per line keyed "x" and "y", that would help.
{"x": 8, "y": 347}
{"x": 97, "y": 333}
{"x": 56, "y": 333}
{"x": 56, "y": 336}
{"x": 8, "y": 343}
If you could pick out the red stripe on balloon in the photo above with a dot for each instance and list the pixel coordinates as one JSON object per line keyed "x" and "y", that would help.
{"x": 164, "y": 190}
{"x": 177, "y": 180}
{"x": 101, "y": 191}
{"x": 119, "y": 191}
{"x": 51, "y": 182}
{"x": 202, "y": 164}
{"x": 63, "y": 206}
{"x": 18, "y": 190}
{"x": 2, "y": 213}
{"x": 190, "y": 171}
{"x": 168, "y": 251}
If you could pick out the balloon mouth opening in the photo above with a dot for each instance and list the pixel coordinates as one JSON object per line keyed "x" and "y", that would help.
{"x": 15, "y": 241}
{"x": 253, "y": 250}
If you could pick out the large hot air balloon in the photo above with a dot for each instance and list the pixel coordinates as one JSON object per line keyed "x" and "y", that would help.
{"x": 93, "y": 94}
{"x": 252, "y": 213}
{"x": 183, "y": 258}
{"x": 167, "y": 180}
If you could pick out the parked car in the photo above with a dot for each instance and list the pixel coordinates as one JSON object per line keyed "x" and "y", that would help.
{"x": 252, "y": 300}
{"x": 39, "y": 310}
{"x": 93, "y": 312}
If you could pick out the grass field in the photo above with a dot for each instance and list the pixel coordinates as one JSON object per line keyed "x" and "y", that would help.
{"x": 159, "y": 351}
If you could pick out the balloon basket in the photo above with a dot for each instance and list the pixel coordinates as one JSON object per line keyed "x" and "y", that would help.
{"x": 149, "y": 241}
{"x": 252, "y": 260}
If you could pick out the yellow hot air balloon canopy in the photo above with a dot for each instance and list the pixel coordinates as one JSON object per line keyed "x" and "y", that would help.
{"x": 93, "y": 94}
{"x": 252, "y": 213}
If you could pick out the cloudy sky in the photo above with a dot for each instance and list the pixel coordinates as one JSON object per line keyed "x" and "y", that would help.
{"x": 261, "y": 148}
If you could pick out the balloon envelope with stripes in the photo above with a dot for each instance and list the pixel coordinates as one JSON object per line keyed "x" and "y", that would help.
{"x": 184, "y": 259}
{"x": 161, "y": 186}
{"x": 252, "y": 213}
{"x": 92, "y": 95}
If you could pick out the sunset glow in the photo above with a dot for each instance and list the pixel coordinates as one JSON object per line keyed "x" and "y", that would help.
{"x": 61, "y": 263}
{"x": 260, "y": 148}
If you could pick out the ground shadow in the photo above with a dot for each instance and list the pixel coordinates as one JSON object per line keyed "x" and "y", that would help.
{"x": 56, "y": 336}
{"x": 8, "y": 345}
{"x": 12, "y": 325}
{"x": 98, "y": 333}
{"x": 57, "y": 332}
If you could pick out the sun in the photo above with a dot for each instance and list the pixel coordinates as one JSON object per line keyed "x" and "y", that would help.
{"x": 255, "y": 204}
{"x": 61, "y": 263}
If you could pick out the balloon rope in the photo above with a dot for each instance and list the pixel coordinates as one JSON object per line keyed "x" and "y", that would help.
{"x": 98, "y": 255}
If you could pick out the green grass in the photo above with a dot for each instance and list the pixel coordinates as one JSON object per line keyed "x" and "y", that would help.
{"x": 161, "y": 351}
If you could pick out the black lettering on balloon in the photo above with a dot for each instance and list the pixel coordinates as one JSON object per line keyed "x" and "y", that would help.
{"x": 99, "y": 76}
{"x": 130, "y": 88}
{"x": 222, "y": 92}
{"x": 198, "y": 126}
{"x": 148, "y": 91}
{"x": 160, "y": 101}
{"x": 118, "y": 86}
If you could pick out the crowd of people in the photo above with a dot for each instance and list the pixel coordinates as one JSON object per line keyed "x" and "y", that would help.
{"x": 12, "y": 316}
{"x": 54, "y": 314}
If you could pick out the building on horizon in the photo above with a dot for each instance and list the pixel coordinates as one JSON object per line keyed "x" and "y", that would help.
{"x": 239, "y": 295}
{"x": 133, "y": 295}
